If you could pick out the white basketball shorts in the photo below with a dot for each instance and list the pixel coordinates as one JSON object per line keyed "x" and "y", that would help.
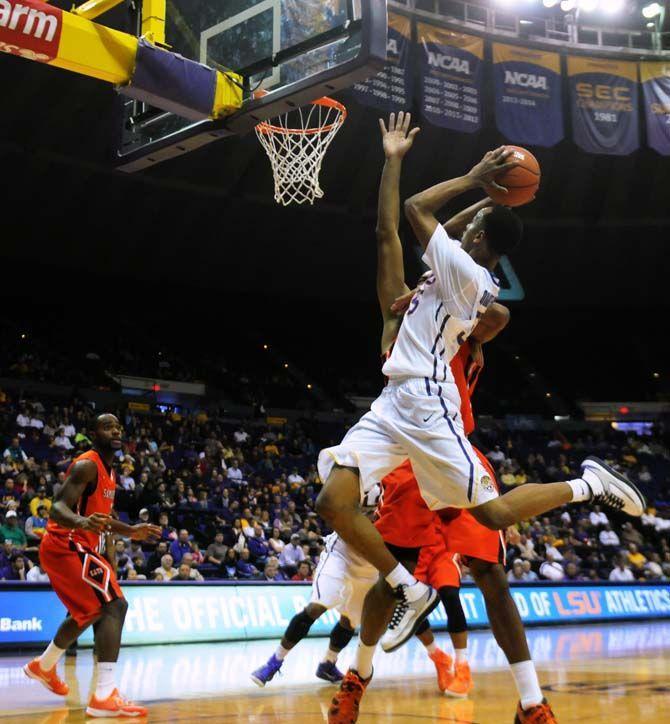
{"x": 414, "y": 418}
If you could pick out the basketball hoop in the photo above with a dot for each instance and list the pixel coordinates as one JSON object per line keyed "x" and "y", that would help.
{"x": 296, "y": 143}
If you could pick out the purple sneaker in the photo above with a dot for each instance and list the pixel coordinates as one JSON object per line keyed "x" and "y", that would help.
{"x": 265, "y": 673}
{"x": 329, "y": 672}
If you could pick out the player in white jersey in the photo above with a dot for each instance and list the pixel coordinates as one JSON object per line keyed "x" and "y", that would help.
{"x": 341, "y": 581}
{"x": 417, "y": 416}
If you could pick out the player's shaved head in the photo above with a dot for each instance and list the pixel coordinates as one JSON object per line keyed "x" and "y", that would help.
{"x": 105, "y": 418}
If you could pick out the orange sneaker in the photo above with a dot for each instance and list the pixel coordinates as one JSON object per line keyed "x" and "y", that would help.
{"x": 540, "y": 714}
{"x": 444, "y": 666}
{"x": 345, "y": 704}
{"x": 114, "y": 705}
{"x": 462, "y": 684}
{"x": 48, "y": 679}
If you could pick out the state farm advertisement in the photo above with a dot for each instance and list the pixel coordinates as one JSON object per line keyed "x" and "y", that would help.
{"x": 30, "y": 29}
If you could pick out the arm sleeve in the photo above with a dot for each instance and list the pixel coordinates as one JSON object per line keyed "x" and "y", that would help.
{"x": 458, "y": 276}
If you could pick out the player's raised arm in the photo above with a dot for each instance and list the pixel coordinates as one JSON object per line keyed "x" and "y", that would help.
{"x": 457, "y": 224}
{"x": 421, "y": 208}
{"x": 397, "y": 139}
{"x": 81, "y": 475}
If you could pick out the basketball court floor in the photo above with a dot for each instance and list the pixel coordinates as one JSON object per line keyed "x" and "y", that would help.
{"x": 608, "y": 673}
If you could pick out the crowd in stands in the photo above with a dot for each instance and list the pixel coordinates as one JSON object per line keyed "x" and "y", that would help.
{"x": 236, "y": 501}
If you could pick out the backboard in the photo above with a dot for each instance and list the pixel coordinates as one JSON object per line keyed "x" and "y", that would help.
{"x": 296, "y": 50}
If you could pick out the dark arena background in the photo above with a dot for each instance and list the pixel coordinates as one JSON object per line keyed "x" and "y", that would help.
{"x": 220, "y": 326}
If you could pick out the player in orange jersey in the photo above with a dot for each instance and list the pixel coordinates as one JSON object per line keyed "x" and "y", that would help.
{"x": 82, "y": 577}
{"x": 404, "y": 517}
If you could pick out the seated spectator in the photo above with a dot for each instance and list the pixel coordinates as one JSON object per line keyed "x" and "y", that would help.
{"x": 234, "y": 473}
{"x": 82, "y": 440}
{"x": 133, "y": 575}
{"x": 496, "y": 456}
{"x": 14, "y": 454}
{"x": 635, "y": 558}
{"x": 597, "y": 517}
{"x": 245, "y": 568}
{"x": 621, "y": 573}
{"x": 295, "y": 480}
{"x": 258, "y": 547}
{"x": 12, "y": 532}
{"x": 652, "y": 568}
{"x": 216, "y": 551}
{"x": 126, "y": 480}
{"x": 528, "y": 572}
{"x": 608, "y": 537}
{"x": 516, "y": 573}
{"x": 37, "y": 575}
{"x": 276, "y": 543}
{"x": 167, "y": 571}
{"x": 180, "y": 546}
{"x": 6, "y": 553}
{"x": 9, "y": 495}
{"x": 18, "y": 569}
{"x": 196, "y": 553}
{"x": 629, "y": 534}
{"x": 36, "y": 525}
{"x": 552, "y": 549}
{"x": 304, "y": 572}
{"x": 168, "y": 532}
{"x": 292, "y": 554}
{"x": 40, "y": 499}
{"x": 527, "y": 548}
{"x": 552, "y": 569}
{"x": 62, "y": 441}
{"x": 572, "y": 573}
{"x": 230, "y": 563}
{"x": 154, "y": 559}
{"x": 186, "y": 573}
{"x": 271, "y": 572}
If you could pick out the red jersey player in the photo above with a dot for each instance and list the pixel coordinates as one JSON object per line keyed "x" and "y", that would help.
{"x": 82, "y": 578}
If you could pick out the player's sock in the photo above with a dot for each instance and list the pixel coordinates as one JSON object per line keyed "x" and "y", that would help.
{"x": 461, "y": 655}
{"x": 330, "y": 656}
{"x": 399, "y": 576}
{"x": 363, "y": 661}
{"x": 106, "y": 685}
{"x": 431, "y": 648}
{"x": 50, "y": 657}
{"x": 586, "y": 487}
{"x": 281, "y": 652}
{"x": 527, "y": 684}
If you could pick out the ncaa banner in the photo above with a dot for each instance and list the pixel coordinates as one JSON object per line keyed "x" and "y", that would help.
{"x": 527, "y": 87}
{"x": 452, "y": 67}
{"x": 603, "y": 97}
{"x": 391, "y": 88}
{"x": 655, "y": 79}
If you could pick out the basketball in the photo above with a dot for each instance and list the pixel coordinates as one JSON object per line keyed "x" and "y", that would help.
{"x": 521, "y": 182}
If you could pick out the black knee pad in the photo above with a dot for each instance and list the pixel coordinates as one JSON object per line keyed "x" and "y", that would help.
{"x": 299, "y": 627}
{"x": 456, "y": 622}
{"x": 423, "y": 627}
{"x": 340, "y": 637}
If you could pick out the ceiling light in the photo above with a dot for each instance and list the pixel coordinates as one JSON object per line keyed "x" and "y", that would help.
{"x": 611, "y": 6}
{"x": 588, "y": 5}
{"x": 550, "y": 3}
{"x": 652, "y": 10}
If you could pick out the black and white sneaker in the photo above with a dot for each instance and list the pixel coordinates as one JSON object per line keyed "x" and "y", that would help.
{"x": 612, "y": 489}
{"x": 416, "y": 602}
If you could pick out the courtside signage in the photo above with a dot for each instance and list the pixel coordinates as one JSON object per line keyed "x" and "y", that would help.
{"x": 30, "y": 29}
{"x": 170, "y": 612}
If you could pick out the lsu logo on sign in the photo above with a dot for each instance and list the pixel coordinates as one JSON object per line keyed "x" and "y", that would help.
{"x": 30, "y": 29}
{"x": 448, "y": 62}
{"x": 526, "y": 80}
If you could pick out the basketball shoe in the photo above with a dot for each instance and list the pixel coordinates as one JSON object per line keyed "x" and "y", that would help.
{"x": 415, "y": 603}
{"x": 48, "y": 679}
{"x": 346, "y": 703}
{"x": 266, "y": 673}
{"x": 610, "y": 488}
{"x": 540, "y": 714}
{"x": 462, "y": 684}
{"x": 328, "y": 671}
{"x": 444, "y": 666}
{"x": 114, "y": 706}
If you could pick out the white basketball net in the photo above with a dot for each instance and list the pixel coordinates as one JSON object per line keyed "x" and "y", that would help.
{"x": 296, "y": 143}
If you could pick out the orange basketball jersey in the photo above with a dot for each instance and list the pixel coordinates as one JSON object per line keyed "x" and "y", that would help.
{"x": 98, "y": 497}
{"x": 466, "y": 373}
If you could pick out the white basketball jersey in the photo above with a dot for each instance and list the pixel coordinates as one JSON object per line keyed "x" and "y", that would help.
{"x": 442, "y": 314}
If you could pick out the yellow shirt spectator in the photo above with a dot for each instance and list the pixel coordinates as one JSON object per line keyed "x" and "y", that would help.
{"x": 37, "y": 501}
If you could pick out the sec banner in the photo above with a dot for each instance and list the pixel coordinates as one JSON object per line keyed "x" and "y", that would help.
{"x": 603, "y": 98}
{"x": 527, "y": 87}
{"x": 391, "y": 88}
{"x": 451, "y": 78}
{"x": 161, "y": 613}
{"x": 655, "y": 79}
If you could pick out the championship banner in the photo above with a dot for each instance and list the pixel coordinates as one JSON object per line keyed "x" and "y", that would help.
{"x": 451, "y": 77}
{"x": 527, "y": 87}
{"x": 162, "y": 613}
{"x": 603, "y": 98}
{"x": 655, "y": 78}
{"x": 391, "y": 88}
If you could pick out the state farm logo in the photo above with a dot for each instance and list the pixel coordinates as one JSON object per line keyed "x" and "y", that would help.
{"x": 30, "y": 29}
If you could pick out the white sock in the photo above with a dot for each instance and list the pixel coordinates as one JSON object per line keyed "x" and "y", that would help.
{"x": 363, "y": 660}
{"x": 331, "y": 656}
{"x": 431, "y": 648}
{"x": 281, "y": 652}
{"x": 525, "y": 678}
{"x": 400, "y": 576}
{"x": 580, "y": 490}
{"x": 50, "y": 657}
{"x": 106, "y": 685}
{"x": 461, "y": 655}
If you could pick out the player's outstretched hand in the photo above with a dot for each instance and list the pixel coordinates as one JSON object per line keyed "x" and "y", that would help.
{"x": 397, "y": 138}
{"x": 95, "y": 522}
{"x": 145, "y": 531}
{"x": 493, "y": 163}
